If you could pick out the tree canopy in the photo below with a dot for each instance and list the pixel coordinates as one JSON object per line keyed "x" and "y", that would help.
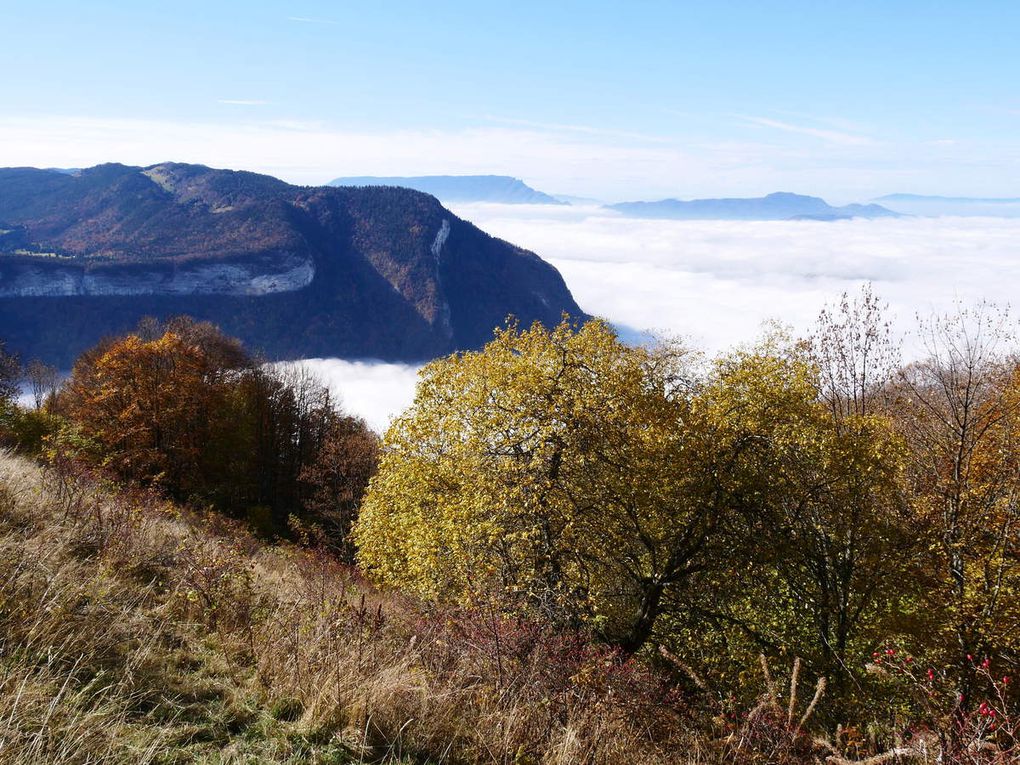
{"x": 544, "y": 468}
{"x": 184, "y": 407}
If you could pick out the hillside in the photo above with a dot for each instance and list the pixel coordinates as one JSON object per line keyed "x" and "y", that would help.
{"x": 502, "y": 189}
{"x": 293, "y": 271}
{"x": 393, "y": 605}
{"x": 777, "y": 206}
{"x": 137, "y": 632}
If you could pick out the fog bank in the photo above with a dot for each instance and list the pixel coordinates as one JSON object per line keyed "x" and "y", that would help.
{"x": 716, "y": 282}
{"x": 375, "y": 390}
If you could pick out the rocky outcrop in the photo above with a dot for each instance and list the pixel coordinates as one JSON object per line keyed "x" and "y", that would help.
{"x": 28, "y": 277}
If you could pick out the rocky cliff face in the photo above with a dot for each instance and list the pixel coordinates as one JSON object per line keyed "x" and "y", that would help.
{"x": 28, "y": 277}
{"x": 367, "y": 272}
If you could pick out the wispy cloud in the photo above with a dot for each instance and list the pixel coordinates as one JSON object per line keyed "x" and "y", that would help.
{"x": 242, "y": 102}
{"x": 831, "y": 136}
{"x": 841, "y": 124}
{"x": 310, "y": 20}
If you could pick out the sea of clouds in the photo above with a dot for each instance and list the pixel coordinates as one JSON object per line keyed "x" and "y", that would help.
{"x": 715, "y": 283}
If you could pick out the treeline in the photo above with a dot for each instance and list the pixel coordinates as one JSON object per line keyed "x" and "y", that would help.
{"x": 184, "y": 408}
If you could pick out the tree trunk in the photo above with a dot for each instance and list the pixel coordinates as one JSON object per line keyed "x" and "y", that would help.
{"x": 644, "y": 619}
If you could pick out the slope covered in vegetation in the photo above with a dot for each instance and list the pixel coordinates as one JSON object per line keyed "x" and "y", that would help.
{"x": 812, "y": 500}
{"x": 567, "y": 550}
{"x": 135, "y": 632}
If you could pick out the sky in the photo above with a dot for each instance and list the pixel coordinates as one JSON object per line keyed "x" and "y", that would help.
{"x": 613, "y": 100}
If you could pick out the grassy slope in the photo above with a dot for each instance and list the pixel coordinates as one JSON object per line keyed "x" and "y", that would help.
{"x": 117, "y": 643}
{"x": 132, "y": 633}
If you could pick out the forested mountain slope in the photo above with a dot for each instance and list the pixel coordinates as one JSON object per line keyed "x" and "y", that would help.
{"x": 293, "y": 271}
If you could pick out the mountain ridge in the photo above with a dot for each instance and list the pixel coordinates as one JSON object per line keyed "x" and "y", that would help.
{"x": 502, "y": 189}
{"x": 293, "y": 271}
{"x": 778, "y": 205}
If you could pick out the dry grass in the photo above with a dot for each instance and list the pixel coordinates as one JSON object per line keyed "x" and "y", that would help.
{"x": 132, "y": 632}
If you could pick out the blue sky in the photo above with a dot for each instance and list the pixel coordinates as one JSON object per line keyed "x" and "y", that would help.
{"x": 609, "y": 99}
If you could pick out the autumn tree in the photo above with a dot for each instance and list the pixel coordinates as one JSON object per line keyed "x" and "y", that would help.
{"x": 855, "y": 355}
{"x": 275, "y": 421}
{"x": 337, "y": 479}
{"x": 821, "y": 537}
{"x": 549, "y": 470}
{"x": 816, "y": 534}
{"x": 10, "y": 374}
{"x": 865, "y": 547}
{"x": 181, "y": 405}
{"x": 42, "y": 381}
{"x": 149, "y": 405}
{"x": 959, "y": 410}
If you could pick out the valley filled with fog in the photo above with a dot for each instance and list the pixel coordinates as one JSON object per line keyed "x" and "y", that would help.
{"x": 714, "y": 283}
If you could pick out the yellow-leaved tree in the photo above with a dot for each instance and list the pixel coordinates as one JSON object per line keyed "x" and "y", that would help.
{"x": 564, "y": 473}
{"x": 555, "y": 471}
{"x": 821, "y": 540}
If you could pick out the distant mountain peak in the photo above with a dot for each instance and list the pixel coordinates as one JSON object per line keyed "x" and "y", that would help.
{"x": 503, "y": 189}
{"x": 789, "y": 195}
{"x": 779, "y": 205}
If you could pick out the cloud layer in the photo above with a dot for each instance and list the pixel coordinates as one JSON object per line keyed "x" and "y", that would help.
{"x": 716, "y": 282}
{"x": 374, "y": 390}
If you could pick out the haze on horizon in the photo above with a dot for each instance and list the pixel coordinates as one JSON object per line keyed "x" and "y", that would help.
{"x": 599, "y": 99}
